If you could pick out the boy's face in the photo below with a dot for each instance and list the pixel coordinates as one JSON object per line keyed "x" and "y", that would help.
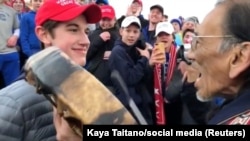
{"x": 107, "y": 23}
{"x": 18, "y": 5}
{"x": 70, "y": 37}
{"x": 155, "y": 16}
{"x": 176, "y": 26}
{"x": 130, "y": 34}
{"x": 36, "y": 4}
{"x": 135, "y": 6}
{"x": 188, "y": 37}
{"x": 165, "y": 38}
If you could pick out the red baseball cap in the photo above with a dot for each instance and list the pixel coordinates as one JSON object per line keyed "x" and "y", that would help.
{"x": 65, "y": 10}
{"x": 108, "y": 12}
{"x": 138, "y": 1}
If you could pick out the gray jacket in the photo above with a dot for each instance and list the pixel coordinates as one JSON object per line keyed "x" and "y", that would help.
{"x": 25, "y": 115}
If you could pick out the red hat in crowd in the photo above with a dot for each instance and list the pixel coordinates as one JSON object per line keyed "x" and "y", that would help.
{"x": 13, "y": 1}
{"x": 65, "y": 10}
{"x": 138, "y": 1}
{"x": 108, "y": 12}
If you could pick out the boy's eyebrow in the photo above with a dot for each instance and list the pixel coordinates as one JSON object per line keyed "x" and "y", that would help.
{"x": 72, "y": 24}
{"x": 75, "y": 25}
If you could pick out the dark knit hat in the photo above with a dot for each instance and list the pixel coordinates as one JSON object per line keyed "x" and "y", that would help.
{"x": 176, "y": 21}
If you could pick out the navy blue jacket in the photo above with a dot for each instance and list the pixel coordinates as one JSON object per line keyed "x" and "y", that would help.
{"x": 136, "y": 73}
{"x": 235, "y": 111}
{"x": 133, "y": 68}
{"x": 148, "y": 36}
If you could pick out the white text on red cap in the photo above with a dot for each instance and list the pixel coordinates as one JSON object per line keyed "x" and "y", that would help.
{"x": 107, "y": 10}
{"x": 66, "y": 2}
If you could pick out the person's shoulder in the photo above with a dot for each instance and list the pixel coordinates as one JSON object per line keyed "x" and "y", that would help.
{"x": 118, "y": 48}
{"x": 14, "y": 99}
{"x": 115, "y": 32}
{"x": 94, "y": 33}
{"x": 23, "y": 109}
{"x": 20, "y": 94}
{"x": 241, "y": 119}
{"x": 27, "y": 14}
{"x": 12, "y": 10}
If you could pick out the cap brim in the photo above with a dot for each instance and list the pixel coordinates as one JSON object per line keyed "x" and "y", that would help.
{"x": 132, "y": 23}
{"x": 91, "y": 12}
{"x": 156, "y": 34}
{"x": 108, "y": 16}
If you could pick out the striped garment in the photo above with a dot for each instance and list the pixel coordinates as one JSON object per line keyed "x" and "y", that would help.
{"x": 159, "y": 88}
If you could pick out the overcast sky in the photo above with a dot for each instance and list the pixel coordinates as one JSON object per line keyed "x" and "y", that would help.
{"x": 173, "y": 8}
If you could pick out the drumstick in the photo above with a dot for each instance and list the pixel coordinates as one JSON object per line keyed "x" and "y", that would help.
{"x": 115, "y": 76}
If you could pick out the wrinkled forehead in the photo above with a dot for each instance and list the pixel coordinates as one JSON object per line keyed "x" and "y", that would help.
{"x": 212, "y": 23}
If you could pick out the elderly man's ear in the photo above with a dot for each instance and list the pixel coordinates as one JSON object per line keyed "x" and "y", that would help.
{"x": 240, "y": 60}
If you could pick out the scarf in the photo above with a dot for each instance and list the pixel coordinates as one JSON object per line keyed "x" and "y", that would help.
{"x": 159, "y": 89}
{"x": 172, "y": 64}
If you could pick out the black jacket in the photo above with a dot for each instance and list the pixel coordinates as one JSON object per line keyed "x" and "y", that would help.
{"x": 183, "y": 97}
{"x": 25, "y": 115}
{"x": 95, "y": 62}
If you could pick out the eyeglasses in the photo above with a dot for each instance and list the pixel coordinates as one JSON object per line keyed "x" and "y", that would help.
{"x": 195, "y": 38}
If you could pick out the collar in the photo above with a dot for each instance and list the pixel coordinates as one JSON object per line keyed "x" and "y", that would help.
{"x": 233, "y": 108}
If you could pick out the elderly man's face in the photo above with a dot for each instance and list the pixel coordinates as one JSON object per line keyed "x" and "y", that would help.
{"x": 212, "y": 64}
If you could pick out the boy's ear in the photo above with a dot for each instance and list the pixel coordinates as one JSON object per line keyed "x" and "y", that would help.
{"x": 43, "y": 35}
{"x": 120, "y": 31}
